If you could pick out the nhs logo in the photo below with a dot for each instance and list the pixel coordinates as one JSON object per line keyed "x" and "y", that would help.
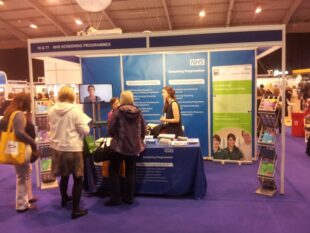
{"x": 197, "y": 62}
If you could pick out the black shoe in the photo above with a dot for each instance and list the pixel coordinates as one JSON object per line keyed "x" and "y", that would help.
{"x": 64, "y": 201}
{"x": 112, "y": 203}
{"x": 128, "y": 202}
{"x": 79, "y": 213}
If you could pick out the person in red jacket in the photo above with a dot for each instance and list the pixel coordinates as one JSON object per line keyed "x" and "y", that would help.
{"x": 127, "y": 128}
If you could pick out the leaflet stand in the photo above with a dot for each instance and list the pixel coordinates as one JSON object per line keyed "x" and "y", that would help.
{"x": 268, "y": 115}
{"x": 44, "y": 165}
{"x": 44, "y": 176}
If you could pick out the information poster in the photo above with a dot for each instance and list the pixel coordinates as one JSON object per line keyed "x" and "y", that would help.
{"x": 143, "y": 75}
{"x": 187, "y": 73}
{"x": 232, "y": 112}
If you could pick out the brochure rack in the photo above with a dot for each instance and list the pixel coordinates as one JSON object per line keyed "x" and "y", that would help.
{"x": 268, "y": 115}
{"x": 44, "y": 176}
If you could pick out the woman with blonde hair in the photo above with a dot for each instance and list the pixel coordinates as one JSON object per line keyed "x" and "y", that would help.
{"x": 128, "y": 130}
{"x": 68, "y": 125}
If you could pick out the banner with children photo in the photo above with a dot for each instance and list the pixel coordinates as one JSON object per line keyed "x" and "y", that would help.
{"x": 232, "y": 105}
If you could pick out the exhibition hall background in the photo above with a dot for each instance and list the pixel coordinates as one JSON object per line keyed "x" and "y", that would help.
{"x": 15, "y": 61}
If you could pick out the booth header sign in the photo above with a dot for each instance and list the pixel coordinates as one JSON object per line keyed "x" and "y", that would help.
{"x": 216, "y": 38}
{"x": 103, "y": 44}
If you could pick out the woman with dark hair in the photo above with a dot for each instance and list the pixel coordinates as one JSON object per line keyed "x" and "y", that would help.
{"x": 218, "y": 152}
{"x": 233, "y": 152}
{"x": 172, "y": 112}
{"x": 20, "y": 106}
{"x": 114, "y": 103}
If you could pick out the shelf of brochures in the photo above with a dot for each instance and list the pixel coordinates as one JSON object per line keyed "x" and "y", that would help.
{"x": 44, "y": 176}
{"x": 268, "y": 112}
{"x": 267, "y": 140}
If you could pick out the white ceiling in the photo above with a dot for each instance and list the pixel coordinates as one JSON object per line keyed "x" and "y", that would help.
{"x": 57, "y": 17}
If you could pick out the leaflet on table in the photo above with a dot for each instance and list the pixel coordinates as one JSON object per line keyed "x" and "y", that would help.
{"x": 167, "y": 136}
{"x": 107, "y": 139}
{"x": 179, "y": 143}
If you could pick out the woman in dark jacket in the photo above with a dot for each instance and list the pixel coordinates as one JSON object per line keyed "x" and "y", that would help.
{"x": 128, "y": 130}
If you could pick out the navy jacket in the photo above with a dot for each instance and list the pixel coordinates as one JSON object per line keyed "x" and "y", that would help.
{"x": 127, "y": 128}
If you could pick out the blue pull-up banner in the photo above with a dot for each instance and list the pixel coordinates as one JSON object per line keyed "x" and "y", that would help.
{"x": 187, "y": 73}
{"x": 143, "y": 75}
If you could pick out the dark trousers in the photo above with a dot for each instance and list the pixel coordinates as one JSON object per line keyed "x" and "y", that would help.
{"x": 76, "y": 191}
{"x": 130, "y": 177}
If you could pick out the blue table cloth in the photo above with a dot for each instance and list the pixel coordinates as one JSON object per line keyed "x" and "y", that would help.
{"x": 161, "y": 170}
{"x": 175, "y": 171}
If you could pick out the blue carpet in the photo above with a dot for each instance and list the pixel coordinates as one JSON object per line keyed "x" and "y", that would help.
{"x": 230, "y": 205}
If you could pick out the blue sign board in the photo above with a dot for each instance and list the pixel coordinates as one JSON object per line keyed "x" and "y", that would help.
{"x": 82, "y": 45}
{"x": 216, "y": 38}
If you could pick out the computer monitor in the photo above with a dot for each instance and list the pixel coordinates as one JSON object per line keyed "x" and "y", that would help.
{"x": 103, "y": 93}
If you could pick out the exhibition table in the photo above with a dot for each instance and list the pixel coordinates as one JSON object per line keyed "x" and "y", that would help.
{"x": 173, "y": 171}
{"x": 162, "y": 170}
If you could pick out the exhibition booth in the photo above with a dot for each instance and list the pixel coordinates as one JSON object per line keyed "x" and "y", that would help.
{"x": 213, "y": 71}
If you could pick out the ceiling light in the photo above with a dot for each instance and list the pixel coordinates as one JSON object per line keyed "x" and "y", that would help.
{"x": 78, "y": 22}
{"x": 258, "y": 10}
{"x": 202, "y": 13}
{"x": 1, "y": 3}
{"x": 33, "y": 26}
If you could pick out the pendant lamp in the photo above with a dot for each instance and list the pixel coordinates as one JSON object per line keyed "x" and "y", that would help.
{"x": 93, "y": 5}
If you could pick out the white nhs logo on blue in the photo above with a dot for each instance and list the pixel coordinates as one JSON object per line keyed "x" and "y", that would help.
{"x": 197, "y": 62}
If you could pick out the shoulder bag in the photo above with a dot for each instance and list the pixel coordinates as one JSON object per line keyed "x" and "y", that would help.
{"x": 12, "y": 151}
{"x": 90, "y": 144}
{"x": 103, "y": 152}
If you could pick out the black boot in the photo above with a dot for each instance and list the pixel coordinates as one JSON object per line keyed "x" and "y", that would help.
{"x": 79, "y": 213}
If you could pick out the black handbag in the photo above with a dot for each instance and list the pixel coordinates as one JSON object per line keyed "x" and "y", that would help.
{"x": 103, "y": 152}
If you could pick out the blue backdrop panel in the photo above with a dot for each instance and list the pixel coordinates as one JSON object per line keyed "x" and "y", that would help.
{"x": 188, "y": 74}
{"x": 227, "y": 58}
{"x": 143, "y": 75}
{"x": 102, "y": 70}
